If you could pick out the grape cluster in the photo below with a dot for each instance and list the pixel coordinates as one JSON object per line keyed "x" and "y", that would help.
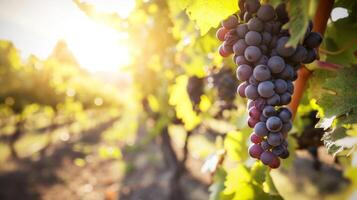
{"x": 225, "y": 82}
{"x": 194, "y": 89}
{"x": 267, "y": 67}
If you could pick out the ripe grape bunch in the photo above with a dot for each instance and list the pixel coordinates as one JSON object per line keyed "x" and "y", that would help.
{"x": 267, "y": 67}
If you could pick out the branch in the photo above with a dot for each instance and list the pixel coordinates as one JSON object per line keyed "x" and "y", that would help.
{"x": 320, "y": 22}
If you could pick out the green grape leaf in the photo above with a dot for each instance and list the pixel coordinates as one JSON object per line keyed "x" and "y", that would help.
{"x": 183, "y": 106}
{"x": 209, "y": 13}
{"x": 340, "y": 37}
{"x": 236, "y": 145}
{"x": 335, "y": 93}
{"x": 298, "y": 11}
{"x": 218, "y": 186}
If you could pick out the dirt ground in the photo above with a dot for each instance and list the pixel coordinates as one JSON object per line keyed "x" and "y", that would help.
{"x": 58, "y": 173}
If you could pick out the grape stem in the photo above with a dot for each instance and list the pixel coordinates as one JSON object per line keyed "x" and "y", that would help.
{"x": 320, "y": 21}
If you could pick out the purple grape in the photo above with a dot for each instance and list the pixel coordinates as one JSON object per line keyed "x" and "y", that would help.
{"x": 281, "y": 13}
{"x": 269, "y": 111}
{"x": 247, "y": 16}
{"x": 266, "y": 89}
{"x": 280, "y": 86}
{"x": 252, "y": 122}
{"x": 259, "y": 103}
{"x": 287, "y": 73}
{"x": 276, "y": 64}
{"x": 285, "y": 154}
{"x": 255, "y": 150}
{"x": 253, "y": 81}
{"x": 241, "y": 89}
{"x": 254, "y": 112}
{"x": 231, "y": 22}
{"x": 260, "y": 129}
{"x": 240, "y": 60}
{"x": 253, "y": 38}
{"x": 256, "y": 139}
{"x": 252, "y": 53}
{"x": 255, "y": 24}
{"x": 274, "y": 124}
{"x": 313, "y": 40}
{"x": 275, "y": 163}
{"x": 262, "y": 118}
{"x": 285, "y": 98}
{"x": 227, "y": 47}
{"x": 261, "y": 73}
{"x": 244, "y": 72}
{"x": 285, "y": 114}
{"x": 290, "y": 87}
{"x": 262, "y": 61}
{"x": 282, "y": 49}
{"x": 252, "y": 6}
{"x": 278, "y": 150}
{"x": 275, "y": 139}
{"x": 266, "y": 38}
{"x": 286, "y": 127}
{"x": 239, "y": 47}
{"x": 241, "y": 30}
{"x": 221, "y": 33}
{"x": 299, "y": 55}
{"x": 251, "y": 92}
{"x": 250, "y": 103}
{"x": 310, "y": 56}
{"x": 266, "y": 12}
{"x": 266, "y": 157}
{"x": 274, "y": 100}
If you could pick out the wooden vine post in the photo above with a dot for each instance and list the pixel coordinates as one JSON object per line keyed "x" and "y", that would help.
{"x": 320, "y": 22}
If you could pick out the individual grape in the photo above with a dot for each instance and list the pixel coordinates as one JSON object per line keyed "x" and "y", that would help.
{"x": 241, "y": 30}
{"x": 253, "y": 81}
{"x": 274, "y": 124}
{"x": 280, "y": 86}
{"x": 278, "y": 150}
{"x": 259, "y": 103}
{"x": 274, "y": 100}
{"x": 252, "y": 53}
{"x": 286, "y": 127}
{"x": 290, "y": 87}
{"x": 265, "y": 145}
{"x": 261, "y": 73}
{"x": 251, "y": 92}
{"x": 285, "y": 98}
{"x": 276, "y": 64}
{"x": 222, "y": 52}
{"x": 269, "y": 111}
{"x": 256, "y": 139}
{"x": 240, "y": 60}
{"x": 227, "y": 47}
{"x": 282, "y": 47}
{"x": 253, "y": 38}
{"x": 299, "y": 55}
{"x": 266, "y": 157}
{"x": 262, "y": 61}
{"x": 255, "y": 24}
{"x": 266, "y": 12}
{"x": 255, "y": 150}
{"x": 252, "y": 122}
{"x": 285, "y": 154}
{"x": 231, "y": 37}
{"x": 275, "y": 139}
{"x": 221, "y": 33}
{"x": 266, "y": 89}
{"x": 244, "y": 72}
{"x": 275, "y": 163}
{"x": 310, "y": 56}
{"x": 231, "y": 22}
{"x": 287, "y": 73}
{"x": 252, "y": 6}
{"x": 254, "y": 112}
{"x": 260, "y": 129}
{"x": 285, "y": 115}
{"x": 241, "y": 89}
{"x": 266, "y": 38}
{"x": 280, "y": 10}
{"x": 247, "y": 16}
{"x": 239, "y": 47}
{"x": 313, "y": 40}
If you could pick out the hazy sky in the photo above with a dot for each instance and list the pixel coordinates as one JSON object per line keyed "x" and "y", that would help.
{"x": 34, "y": 26}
